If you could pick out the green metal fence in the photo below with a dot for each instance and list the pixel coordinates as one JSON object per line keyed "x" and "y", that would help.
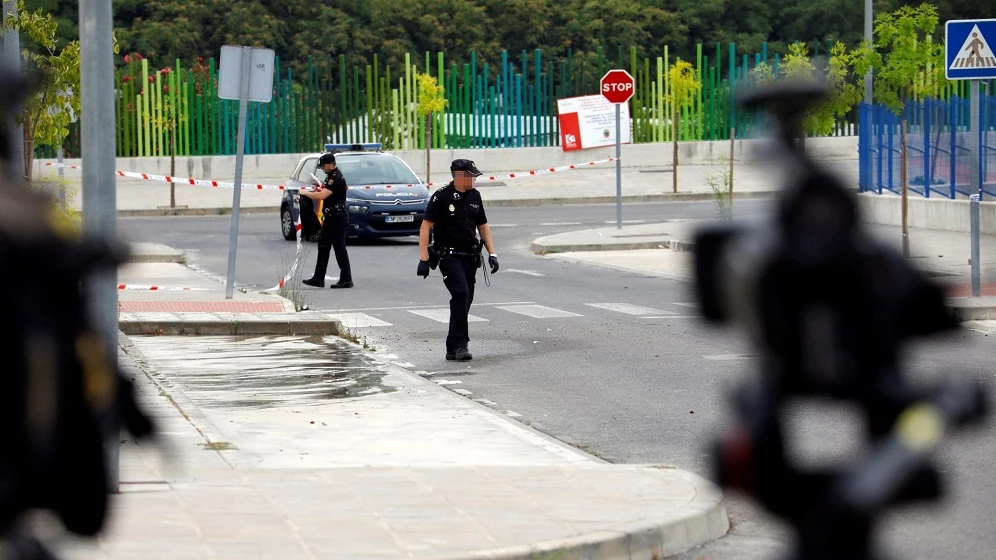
{"x": 508, "y": 105}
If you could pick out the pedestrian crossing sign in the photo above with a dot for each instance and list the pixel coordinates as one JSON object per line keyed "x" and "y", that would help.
{"x": 968, "y": 46}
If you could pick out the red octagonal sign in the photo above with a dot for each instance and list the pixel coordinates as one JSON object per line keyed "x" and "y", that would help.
{"x": 617, "y": 86}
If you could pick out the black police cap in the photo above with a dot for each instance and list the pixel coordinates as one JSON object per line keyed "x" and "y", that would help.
{"x": 467, "y": 166}
{"x": 326, "y": 158}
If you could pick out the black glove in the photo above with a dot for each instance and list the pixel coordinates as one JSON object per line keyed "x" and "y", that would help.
{"x": 433, "y": 258}
{"x": 423, "y": 269}
{"x": 493, "y": 261}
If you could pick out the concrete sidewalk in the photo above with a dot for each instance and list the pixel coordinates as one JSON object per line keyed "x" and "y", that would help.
{"x": 665, "y": 249}
{"x": 159, "y": 294}
{"x": 306, "y": 447}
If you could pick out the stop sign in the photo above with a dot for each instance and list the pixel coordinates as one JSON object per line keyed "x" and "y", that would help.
{"x": 617, "y": 86}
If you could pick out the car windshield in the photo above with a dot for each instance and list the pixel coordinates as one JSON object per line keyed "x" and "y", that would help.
{"x": 372, "y": 169}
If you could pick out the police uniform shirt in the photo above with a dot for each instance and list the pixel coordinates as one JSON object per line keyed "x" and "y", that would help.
{"x": 455, "y": 216}
{"x": 335, "y": 182}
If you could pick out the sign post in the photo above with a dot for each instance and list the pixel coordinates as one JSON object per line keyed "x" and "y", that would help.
{"x": 246, "y": 74}
{"x": 618, "y": 88}
{"x": 969, "y": 56}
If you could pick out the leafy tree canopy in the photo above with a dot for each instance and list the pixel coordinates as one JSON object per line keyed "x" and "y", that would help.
{"x": 167, "y": 30}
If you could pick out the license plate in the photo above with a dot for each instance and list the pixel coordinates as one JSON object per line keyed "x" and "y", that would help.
{"x": 396, "y": 219}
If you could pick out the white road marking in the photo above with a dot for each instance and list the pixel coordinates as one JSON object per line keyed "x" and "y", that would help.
{"x": 628, "y": 308}
{"x": 671, "y": 317}
{"x": 463, "y": 392}
{"x": 627, "y": 221}
{"x": 562, "y": 223}
{"x": 511, "y": 414}
{"x": 357, "y": 320}
{"x": 687, "y": 304}
{"x": 448, "y": 382}
{"x": 538, "y": 311}
{"x": 442, "y": 315}
{"x": 445, "y": 306}
{"x": 526, "y": 272}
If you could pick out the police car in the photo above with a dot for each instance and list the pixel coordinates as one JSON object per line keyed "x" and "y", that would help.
{"x": 385, "y": 197}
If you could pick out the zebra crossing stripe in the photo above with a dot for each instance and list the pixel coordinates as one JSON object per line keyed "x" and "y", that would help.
{"x": 537, "y": 311}
{"x": 443, "y": 315}
{"x": 357, "y": 320}
{"x": 630, "y": 309}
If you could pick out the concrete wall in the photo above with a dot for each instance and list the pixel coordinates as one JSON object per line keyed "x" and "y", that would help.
{"x": 488, "y": 160}
{"x": 924, "y": 213}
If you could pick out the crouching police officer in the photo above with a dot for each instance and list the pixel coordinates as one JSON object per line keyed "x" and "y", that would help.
{"x": 333, "y": 234}
{"x": 452, "y": 216}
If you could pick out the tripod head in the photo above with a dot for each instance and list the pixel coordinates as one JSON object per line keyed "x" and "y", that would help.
{"x": 829, "y": 309}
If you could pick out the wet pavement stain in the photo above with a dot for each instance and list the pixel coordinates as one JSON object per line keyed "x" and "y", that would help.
{"x": 262, "y": 371}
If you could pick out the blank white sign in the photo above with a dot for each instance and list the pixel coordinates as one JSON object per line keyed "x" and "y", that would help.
{"x": 260, "y": 74}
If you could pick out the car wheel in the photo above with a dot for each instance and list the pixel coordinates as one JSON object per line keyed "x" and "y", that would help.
{"x": 287, "y": 224}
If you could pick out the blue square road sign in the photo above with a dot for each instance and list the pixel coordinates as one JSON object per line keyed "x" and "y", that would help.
{"x": 968, "y": 49}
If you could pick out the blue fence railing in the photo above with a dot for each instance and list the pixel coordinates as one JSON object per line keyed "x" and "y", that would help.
{"x": 938, "y": 138}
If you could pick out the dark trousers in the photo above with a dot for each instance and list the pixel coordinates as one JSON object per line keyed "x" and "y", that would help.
{"x": 333, "y": 236}
{"x": 459, "y": 277}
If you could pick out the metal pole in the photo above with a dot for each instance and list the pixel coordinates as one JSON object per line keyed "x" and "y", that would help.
{"x": 869, "y": 29}
{"x": 974, "y": 148}
{"x": 99, "y": 180}
{"x": 976, "y": 265}
{"x": 233, "y": 237}
{"x": 976, "y": 136}
{"x": 618, "y": 169}
{"x": 12, "y": 62}
{"x": 62, "y": 176}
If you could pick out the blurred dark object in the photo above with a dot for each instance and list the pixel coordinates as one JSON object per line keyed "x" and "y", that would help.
{"x": 829, "y": 309}
{"x": 61, "y": 398}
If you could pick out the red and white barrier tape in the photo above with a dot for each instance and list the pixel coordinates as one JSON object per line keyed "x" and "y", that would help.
{"x": 296, "y": 211}
{"x": 157, "y": 288}
{"x": 298, "y": 229}
{"x": 224, "y": 185}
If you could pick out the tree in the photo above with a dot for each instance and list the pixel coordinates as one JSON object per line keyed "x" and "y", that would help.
{"x": 50, "y": 109}
{"x": 906, "y": 64}
{"x": 430, "y": 102}
{"x": 685, "y": 85}
{"x": 843, "y": 94}
{"x": 169, "y": 118}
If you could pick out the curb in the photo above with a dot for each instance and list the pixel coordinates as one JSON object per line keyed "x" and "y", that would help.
{"x": 669, "y": 244}
{"x": 233, "y": 327}
{"x": 178, "y": 257}
{"x": 970, "y": 312}
{"x": 223, "y": 211}
{"x": 699, "y": 522}
{"x": 674, "y": 197}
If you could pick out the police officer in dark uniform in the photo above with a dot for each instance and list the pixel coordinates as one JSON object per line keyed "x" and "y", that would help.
{"x": 336, "y": 220}
{"x": 454, "y": 217}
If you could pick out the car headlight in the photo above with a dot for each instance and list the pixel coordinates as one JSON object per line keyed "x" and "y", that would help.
{"x": 357, "y": 209}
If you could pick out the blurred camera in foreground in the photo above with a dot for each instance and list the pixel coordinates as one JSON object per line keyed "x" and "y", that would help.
{"x": 828, "y": 308}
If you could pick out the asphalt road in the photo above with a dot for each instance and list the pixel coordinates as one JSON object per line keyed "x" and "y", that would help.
{"x": 615, "y": 363}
